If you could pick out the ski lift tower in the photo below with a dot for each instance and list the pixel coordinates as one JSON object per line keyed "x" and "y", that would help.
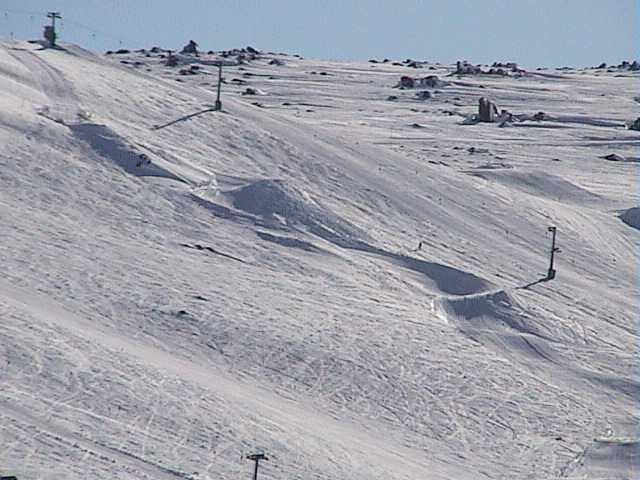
{"x": 50, "y": 31}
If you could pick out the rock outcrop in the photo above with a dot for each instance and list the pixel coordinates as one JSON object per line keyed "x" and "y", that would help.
{"x": 487, "y": 110}
{"x": 190, "y": 48}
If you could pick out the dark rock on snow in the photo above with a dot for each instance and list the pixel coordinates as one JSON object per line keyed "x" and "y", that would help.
{"x": 635, "y": 125}
{"x": 190, "y": 48}
{"x": 487, "y": 110}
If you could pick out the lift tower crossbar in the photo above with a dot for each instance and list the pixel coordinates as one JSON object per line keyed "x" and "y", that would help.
{"x": 256, "y": 457}
{"x": 53, "y": 16}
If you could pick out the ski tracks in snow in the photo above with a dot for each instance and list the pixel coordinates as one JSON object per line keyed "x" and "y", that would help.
{"x": 285, "y": 413}
{"x": 65, "y": 105}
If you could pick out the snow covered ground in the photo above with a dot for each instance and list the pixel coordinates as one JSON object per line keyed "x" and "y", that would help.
{"x": 179, "y": 291}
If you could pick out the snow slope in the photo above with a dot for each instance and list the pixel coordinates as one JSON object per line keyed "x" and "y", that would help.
{"x": 180, "y": 290}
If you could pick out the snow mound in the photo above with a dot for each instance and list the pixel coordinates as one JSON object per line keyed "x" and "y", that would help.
{"x": 540, "y": 184}
{"x": 108, "y": 144}
{"x": 608, "y": 459}
{"x": 485, "y": 310}
{"x": 445, "y": 279}
{"x": 631, "y": 217}
{"x": 496, "y": 319}
{"x": 281, "y": 203}
{"x": 289, "y": 242}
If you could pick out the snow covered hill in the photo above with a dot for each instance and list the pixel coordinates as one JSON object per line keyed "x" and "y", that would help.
{"x": 347, "y": 282}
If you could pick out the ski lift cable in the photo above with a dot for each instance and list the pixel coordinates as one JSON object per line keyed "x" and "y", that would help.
{"x": 66, "y": 20}
{"x": 92, "y": 30}
{"x": 21, "y": 12}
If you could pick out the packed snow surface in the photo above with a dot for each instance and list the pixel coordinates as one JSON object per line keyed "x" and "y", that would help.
{"x": 353, "y": 285}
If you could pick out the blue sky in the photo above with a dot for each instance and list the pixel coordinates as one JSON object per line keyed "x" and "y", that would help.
{"x": 530, "y": 32}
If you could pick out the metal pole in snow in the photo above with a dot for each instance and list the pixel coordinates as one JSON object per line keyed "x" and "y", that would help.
{"x": 256, "y": 457}
{"x": 218, "y": 101}
{"x": 552, "y": 273}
